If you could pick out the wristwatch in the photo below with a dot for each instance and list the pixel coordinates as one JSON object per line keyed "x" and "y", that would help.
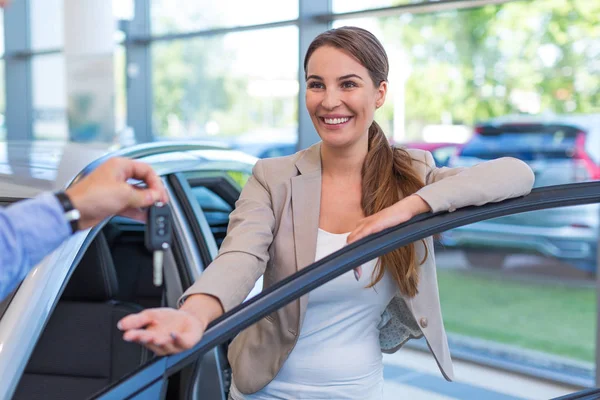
{"x": 72, "y": 214}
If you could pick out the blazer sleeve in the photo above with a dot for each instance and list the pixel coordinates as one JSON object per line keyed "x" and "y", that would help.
{"x": 447, "y": 189}
{"x": 244, "y": 254}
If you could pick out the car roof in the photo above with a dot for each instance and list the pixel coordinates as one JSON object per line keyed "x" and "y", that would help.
{"x": 589, "y": 122}
{"x": 429, "y": 146}
{"x": 29, "y": 168}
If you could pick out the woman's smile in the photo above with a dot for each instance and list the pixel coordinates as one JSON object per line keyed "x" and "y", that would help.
{"x": 335, "y": 121}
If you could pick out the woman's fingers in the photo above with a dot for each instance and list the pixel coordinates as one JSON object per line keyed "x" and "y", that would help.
{"x": 135, "y": 321}
{"x": 164, "y": 331}
{"x": 361, "y": 231}
{"x": 161, "y": 343}
{"x": 141, "y": 336}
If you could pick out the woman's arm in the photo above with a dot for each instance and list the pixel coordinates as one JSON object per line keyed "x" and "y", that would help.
{"x": 224, "y": 284}
{"x": 447, "y": 189}
{"x": 244, "y": 254}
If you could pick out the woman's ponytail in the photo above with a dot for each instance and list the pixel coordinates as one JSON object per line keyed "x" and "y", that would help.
{"x": 387, "y": 177}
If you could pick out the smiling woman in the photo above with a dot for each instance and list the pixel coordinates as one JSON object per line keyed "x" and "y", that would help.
{"x": 296, "y": 209}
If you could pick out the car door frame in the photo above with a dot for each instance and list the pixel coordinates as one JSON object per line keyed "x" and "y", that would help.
{"x": 351, "y": 256}
{"x": 209, "y": 372}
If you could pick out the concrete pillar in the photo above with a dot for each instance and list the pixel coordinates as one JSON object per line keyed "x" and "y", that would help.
{"x": 89, "y": 28}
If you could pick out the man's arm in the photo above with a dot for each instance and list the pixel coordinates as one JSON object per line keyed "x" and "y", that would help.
{"x": 29, "y": 230}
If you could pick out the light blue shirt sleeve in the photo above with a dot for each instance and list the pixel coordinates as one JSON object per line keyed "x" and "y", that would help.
{"x": 29, "y": 230}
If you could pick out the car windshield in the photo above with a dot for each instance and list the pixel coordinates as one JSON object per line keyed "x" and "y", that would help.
{"x": 525, "y": 142}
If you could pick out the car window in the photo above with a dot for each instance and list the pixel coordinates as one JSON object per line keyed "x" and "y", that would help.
{"x": 557, "y": 154}
{"x": 525, "y": 142}
{"x": 215, "y": 209}
{"x": 519, "y": 288}
{"x": 239, "y": 177}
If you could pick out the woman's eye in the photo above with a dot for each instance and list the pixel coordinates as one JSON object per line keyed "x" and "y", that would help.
{"x": 348, "y": 85}
{"x": 315, "y": 85}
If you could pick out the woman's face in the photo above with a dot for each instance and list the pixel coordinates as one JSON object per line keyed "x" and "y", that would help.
{"x": 341, "y": 98}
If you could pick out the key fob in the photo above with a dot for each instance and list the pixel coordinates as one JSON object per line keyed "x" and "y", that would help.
{"x": 158, "y": 234}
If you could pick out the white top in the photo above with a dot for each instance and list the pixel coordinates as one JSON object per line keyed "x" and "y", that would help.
{"x": 337, "y": 355}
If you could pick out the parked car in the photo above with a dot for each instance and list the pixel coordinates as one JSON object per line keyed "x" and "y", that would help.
{"x": 441, "y": 152}
{"x": 267, "y": 143}
{"x": 560, "y": 150}
{"x": 58, "y": 335}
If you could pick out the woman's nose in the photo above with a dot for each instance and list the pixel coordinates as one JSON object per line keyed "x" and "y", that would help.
{"x": 331, "y": 99}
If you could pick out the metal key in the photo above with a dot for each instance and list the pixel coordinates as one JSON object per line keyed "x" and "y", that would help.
{"x": 158, "y": 237}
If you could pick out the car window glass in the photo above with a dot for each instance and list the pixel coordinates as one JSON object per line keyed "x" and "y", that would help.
{"x": 216, "y": 210}
{"x": 527, "y": 143}
{"x": 239, "y": 177}
{"x": 520, "y": 288}
{"x": 557, "y": 154}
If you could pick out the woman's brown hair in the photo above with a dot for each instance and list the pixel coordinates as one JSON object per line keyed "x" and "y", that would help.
{"x": 387, "y": 172}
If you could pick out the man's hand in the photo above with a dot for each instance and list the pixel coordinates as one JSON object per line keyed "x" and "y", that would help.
{"x": 105, "y": 191}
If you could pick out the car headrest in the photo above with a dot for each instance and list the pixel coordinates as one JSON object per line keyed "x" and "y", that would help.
{"x": 95, "y": 278}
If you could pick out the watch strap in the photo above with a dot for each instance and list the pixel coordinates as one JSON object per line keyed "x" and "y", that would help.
{"x": 72, "y": 215}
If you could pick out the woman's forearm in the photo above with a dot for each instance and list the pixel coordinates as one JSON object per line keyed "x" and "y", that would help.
{"x": 415, "y": 204}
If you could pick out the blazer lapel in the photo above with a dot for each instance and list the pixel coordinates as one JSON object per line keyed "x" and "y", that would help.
{"x": 306, "y": 202}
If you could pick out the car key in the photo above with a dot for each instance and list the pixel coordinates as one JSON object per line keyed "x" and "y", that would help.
{"x": 158, "y": 237}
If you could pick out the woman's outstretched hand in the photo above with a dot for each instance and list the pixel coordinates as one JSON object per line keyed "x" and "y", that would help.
{"x": 163, "y": 330}
{"x": 396, "y": 214}
{"x": 169, "y": 331}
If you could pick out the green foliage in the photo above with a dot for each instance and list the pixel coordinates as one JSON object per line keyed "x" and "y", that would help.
{"x": 474, "y": 63}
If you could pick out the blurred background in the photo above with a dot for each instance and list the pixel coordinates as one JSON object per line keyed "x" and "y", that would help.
{"x": 470, "y": 80}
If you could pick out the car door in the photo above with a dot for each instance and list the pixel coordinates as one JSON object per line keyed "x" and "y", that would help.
{"x": 322, "y": 271}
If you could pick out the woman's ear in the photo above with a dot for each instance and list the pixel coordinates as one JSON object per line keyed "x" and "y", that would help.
{"x": 381, "y": 93}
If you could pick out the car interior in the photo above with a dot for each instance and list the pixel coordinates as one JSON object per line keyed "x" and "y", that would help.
{"x": 81, "y": 350}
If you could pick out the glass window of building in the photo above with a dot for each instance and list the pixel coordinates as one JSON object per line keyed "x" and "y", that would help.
{"x": 229, "y": 88}
{"x": 49, "y": 97}
{"x": 343, "y": 6}
{"x": 121, "y": 94}
{"x": 47, "y": 24}
{"x": 453, "y": 70}
{"x": 170, "y": 17}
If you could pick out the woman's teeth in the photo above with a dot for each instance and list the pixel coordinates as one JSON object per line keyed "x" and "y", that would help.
{"x": 336, "y": 121}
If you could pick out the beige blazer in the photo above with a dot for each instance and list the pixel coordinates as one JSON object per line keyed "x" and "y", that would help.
{"x": 273, "y": 231}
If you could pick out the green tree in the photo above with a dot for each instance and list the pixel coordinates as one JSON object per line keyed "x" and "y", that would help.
{"x": 476, "y": 64}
